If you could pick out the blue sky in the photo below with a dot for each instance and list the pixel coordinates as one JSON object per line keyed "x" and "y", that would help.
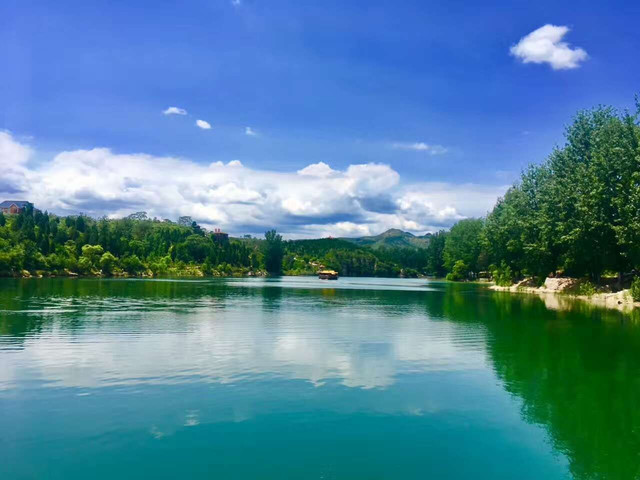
{"x": 429, "y": 89}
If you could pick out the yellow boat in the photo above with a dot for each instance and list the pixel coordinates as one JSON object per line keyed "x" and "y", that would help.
{"x": 328, "y": 275}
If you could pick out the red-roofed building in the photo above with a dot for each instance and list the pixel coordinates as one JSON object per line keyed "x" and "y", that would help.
{"x": 13, "y": 207}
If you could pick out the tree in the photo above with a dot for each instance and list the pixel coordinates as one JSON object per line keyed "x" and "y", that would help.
{"x": 138, "y": 216}
{"x": 92, "y": 253}
{"x": 194, "y": 248}
{"x": 460, "y": 271}
{"x": 626, "y": 194}
{"x": 273, "y": 252}
{"x": 503, "y": 234}
{"x": 107, "y": 263}
{"x": 84, "y": 265}
{"x": 185, "y": 221}
{"x": 80, "y": 223}
{"x": 133, "y": 265}
{"x": 435, "y": 254}
{"x": 464, "y": 243}
{"x": 197, "y": 229}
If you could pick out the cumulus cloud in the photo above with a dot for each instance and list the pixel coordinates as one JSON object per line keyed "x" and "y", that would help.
{"x": 420, "y": 147}
{"x": 204, "y": 125}
{"x": 444, "y": 203}
{"x": 314, "y": 201}
{"x": 249, "y": 131}
{"x": 175, "y": 111}
{"x": 545, "y": 45}
{"x": 319, "y": 169}
{"x": 13, "y": 165}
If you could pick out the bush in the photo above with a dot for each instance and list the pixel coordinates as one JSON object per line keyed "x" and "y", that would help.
{"x": 502, "y": 275}
{"x": 225, "y": 269}
{"x": 459, "y": 272}
{"x": 586, "y": 288}
{"x": 161, "y": 266}
{"x": 107, "y": 263}
{"x": 5, "y": 263}
{"x": 133, "y": 265}
{"x": 84, "y": 266}
{"x": 92, "y": 253}
{"x": 635, "y": 289}
{"x": 71, "y": 264}
{"x": 206, "y": 267}
{"x": 55, "y": 262}
{"x": 410, "y": 273}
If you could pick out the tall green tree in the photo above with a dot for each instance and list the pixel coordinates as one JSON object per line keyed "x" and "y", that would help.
{"x": 464, "y": 242}
{"x": 273, "y": 252}
{"x": 434, "y": 255}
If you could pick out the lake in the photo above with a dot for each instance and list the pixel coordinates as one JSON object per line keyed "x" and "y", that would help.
{"x": 296, "y": 377}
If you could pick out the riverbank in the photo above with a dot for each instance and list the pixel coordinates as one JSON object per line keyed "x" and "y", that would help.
{"x": 188, "y": 272}
{"x": 557, "y": 291}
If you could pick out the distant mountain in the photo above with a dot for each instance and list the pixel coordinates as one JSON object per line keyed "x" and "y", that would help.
{"x": 392, "y": 238}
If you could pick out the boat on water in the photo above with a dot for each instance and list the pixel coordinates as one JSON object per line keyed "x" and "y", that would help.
{"x": 328, "y": 275}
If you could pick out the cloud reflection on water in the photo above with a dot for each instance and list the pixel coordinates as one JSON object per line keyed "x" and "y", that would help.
{"x": 315, "y": 337}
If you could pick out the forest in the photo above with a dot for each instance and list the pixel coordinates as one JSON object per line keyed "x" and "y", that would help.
{"x": 41, "y": 243}
{"x": 576, "y": 214}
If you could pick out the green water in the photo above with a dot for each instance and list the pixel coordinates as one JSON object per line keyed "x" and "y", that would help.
{"x": 299, "y": 378}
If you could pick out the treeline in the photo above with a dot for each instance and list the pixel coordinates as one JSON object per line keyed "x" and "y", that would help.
{"x": 35, "y": 242}
{"x": 42, "y": 242}
{"x": 305, "y": 257}
{"x": 576, "y": 214}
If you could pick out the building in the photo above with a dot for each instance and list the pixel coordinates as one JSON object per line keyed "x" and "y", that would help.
{"x": 219, "y": 236}
{"x": 12, "y": 207}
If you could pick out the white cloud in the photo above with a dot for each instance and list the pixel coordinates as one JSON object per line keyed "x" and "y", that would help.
{"x": 203, "y": 124}
{"x": 175, "y": 111}
{"x": 545, "y": 45}
{"x": 444, "y": 203}
{"x": 319, "y": 169}
{"x": 236, "y": 3}
{"x": 14, "y": 157}
{"x": 249, "y": 131}
{"x": 12, "y": 153}
{"x": 420, "y": 147}
{"x": 314, "y": 201}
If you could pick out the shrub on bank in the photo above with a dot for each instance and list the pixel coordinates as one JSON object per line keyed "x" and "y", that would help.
{"x": 502, "y": 275}
{"x": 635, "y": 289}
{"x": 586, "y": 288}
{"x": 459, "y": 272}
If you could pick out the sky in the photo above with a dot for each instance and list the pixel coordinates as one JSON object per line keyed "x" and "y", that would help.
{"x": 340, "y": 118}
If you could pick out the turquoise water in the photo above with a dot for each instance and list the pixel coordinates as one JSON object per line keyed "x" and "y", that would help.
{"x": 302, "y": 378}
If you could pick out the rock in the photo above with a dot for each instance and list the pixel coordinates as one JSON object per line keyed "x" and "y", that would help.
{"x": 559, "y": 284}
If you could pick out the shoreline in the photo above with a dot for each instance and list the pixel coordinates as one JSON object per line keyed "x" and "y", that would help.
{"x": 191, "y": 274}
{"x": 555, "y": 298}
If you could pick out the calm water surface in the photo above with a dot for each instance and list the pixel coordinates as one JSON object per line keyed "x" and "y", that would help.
{"x": 299, "y": 378}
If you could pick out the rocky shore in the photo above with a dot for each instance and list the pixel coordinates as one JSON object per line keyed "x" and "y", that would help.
{"x": 562, "y": 290}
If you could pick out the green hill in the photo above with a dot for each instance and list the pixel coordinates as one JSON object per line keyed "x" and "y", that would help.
{"x": 392, "y": 238}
